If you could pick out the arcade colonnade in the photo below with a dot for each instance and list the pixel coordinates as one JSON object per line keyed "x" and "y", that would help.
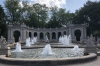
{"x": 52, "y": 33}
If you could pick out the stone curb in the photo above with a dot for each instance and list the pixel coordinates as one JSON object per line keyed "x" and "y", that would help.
{"x": 98, "y": 53}
{"x": 45, "y": 62}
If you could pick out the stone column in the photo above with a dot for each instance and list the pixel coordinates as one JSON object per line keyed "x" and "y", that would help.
{"x": 38, "y": 36}
{"x": 81, "y": 38}
{"x": 23, "y": 35}
{"x": 57, "y": 36}
{"x": 44, "y": 35}
{"x": 32, "y": 35}
{"x": 50, "y": 36}
{"x": 72, "y": 33}
{"x": 12, "y": 35}
{"x": 9, "y": 35}
{"x": 62, "y": 33}
{"x": 85, "y": 36}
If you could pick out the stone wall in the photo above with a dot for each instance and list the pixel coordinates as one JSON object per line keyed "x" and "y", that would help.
{"x": 54, "y": 33}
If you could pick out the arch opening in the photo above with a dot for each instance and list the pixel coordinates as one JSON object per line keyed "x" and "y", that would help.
{"x": 48, "y": 35}
{"x": 35, "y": 34}
{"x": 30, "y": 34}
{"x": 64, "y": 32}
{"x": 53, "y": 35}
{"x": 77, "y": 34}
{"x": 59, "y": 34}
{"x": 41, "y": 36}
{"x": 16, "y": 35}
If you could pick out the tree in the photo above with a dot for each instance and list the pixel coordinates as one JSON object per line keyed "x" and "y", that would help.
{"x": 3, "y": 27}
{"x": 41, "y": 12}
{"x": 12, "y": 11}
{"x": 89, "y": 14}
{"x": 59, "y": 16}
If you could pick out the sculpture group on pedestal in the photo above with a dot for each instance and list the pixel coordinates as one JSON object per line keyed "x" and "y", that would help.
{"x": 3, "y": 42}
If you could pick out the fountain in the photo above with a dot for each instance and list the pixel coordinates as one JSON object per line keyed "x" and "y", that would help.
{"x": 32, "y": 41}
{"x": 66, "y": 40}
{"x": 48, "y": 56}
{"x": 28, "y": 42}
{"x": 47, "y": 50}
{"x": 76, "y": 48}
{"x": 47, "y": 40}
{"x": 35, "y": 39}
{"x": 18, "y": 48}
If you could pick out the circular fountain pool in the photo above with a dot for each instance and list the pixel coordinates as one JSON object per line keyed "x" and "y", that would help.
{"x": 57, "y": 53}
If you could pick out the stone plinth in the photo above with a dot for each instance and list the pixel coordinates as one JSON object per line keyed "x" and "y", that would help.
{"x": 5, "y": 51}
{"x": 90, "y": 49}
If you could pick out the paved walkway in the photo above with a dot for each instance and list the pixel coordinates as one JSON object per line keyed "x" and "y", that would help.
{"x": 91, "y": 63}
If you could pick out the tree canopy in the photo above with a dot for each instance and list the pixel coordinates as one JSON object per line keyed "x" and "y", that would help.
{"x": 3, "y": 26}
{"x": 89, "y": 14}
{"x": 37, "y": 15}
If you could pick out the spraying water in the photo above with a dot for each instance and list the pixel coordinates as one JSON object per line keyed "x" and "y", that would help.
{"x": 28, "y": 42}
{"x": 66, "y": 40}
{"x": 47, "y": 50}
{"x": 76, "y": 48}
{"x": 18, "y": 48}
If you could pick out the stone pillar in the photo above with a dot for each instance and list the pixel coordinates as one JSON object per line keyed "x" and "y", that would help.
{"x": 44, "y": 35}
{"x": 23, "y": 35}
{"x": 38, "y": 36}
{"x": 81, "y": 38}
{"x": 9, "y": 35}
{"x": 32, "y": 35}
{"x": 50, "y": 36}
{"x": 62, "y": 33}
{"x": 57, "y": 36}
{"x": 72, "y": 33}
{"x": 84, "y": 33}
{"x": 12, "y": 36}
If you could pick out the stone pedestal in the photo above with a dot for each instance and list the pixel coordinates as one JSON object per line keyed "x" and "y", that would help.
{"x": 90, "y": 49}
{"x": 5, "y": 51}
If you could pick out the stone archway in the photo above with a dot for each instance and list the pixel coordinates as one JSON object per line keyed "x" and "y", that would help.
{"x": 53, "y": 35}
{"x": 16, "y": 35}
{"x": 41, "y": 36}
{"x": 77, "y": 34}
{"x": 48, "y": 35}
{"x": 35, "y": 34}
{"x": 59, "y": 34}
{"x": 30, "y": 34}
{"x": 64, "y": 32}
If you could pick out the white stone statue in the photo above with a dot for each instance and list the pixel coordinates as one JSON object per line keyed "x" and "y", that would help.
{"x": 3, "y": 42}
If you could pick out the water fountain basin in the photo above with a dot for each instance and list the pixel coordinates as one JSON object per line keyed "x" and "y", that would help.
{"x": 51, "y": 61}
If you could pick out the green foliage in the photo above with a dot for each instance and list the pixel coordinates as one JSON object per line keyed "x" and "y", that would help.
{"x": 12, "y": 10}
{"x": 59, "y": 16}
{"x": 3, "y": 27}
{"x": 89, "y": 14}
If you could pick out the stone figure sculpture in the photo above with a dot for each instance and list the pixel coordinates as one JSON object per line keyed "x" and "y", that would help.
{"x": 90, "y": 40}
{"x": 3, "y": 42}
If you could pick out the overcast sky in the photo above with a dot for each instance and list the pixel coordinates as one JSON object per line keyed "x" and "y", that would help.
{"x": 70, "y": 5}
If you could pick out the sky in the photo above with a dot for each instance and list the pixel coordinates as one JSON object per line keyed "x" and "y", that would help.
{"x": 69, "y": 5}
